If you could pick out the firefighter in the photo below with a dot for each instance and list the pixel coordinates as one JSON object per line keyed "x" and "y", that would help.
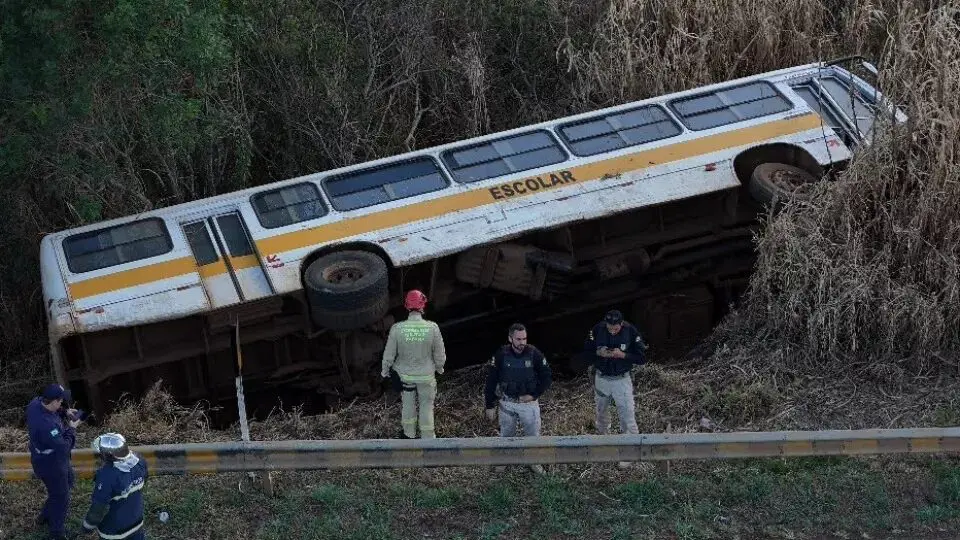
{"x": 616, "y": 346}
{"x": 519, "y": 373}
{"x": 116, "y": 506}
{"x": 52, "y": 437}
{"x": 415, "y": 352}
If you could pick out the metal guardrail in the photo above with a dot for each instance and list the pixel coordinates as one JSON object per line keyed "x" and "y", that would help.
{"x": 213, "y": 458}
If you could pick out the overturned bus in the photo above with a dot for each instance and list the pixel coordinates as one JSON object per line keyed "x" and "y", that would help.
{"x": 650, "y": 206}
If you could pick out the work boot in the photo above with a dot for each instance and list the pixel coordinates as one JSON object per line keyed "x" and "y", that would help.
{"x": 404, "y": 435}
{"x": 537, "y": 469}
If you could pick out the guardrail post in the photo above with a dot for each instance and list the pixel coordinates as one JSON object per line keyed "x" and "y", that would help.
{"x": 266, "y": 479}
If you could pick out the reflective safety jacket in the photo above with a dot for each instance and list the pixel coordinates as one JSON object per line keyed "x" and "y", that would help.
{"x": 116, "y": 508}
{"x": 414, "y": 349}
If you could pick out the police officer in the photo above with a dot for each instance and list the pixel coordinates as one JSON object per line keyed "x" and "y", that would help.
{"x": 116, "y": 508}
{"x": 415, "y": 352}
{"x": 52, "y": 437}
{"x": 616, "y": 347}
{"x": 519, "y": 373}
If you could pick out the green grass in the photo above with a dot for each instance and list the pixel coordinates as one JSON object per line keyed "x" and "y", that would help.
{"x": 749, "y": 498}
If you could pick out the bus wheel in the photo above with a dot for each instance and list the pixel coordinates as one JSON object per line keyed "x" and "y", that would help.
{"x": 347, "y": 289}
{"x": 776, "y": 183}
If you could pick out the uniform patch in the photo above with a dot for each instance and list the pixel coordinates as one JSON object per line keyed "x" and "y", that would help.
{"x": 623, "y": 346}
{"x": 638, "y": 339}
{"x": 54, "y": 432}
{"x": 528, "y": 363}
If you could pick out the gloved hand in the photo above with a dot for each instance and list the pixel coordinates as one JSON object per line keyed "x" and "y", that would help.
{"x": 491, "y": 414}
{"x": 73, "y": 423}
{"x": 385, "y": 374}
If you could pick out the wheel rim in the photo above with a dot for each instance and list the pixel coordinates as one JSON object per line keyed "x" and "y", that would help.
{"x": 343, "y": 274}
{"x": 791, "y": 181}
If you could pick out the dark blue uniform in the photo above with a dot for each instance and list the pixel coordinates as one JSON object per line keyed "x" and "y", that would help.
{"x": 116, "y": 508}
{"x": 517, "y": 374}
{"x": 51, "y": 440}
{"x": 628, "y": 340}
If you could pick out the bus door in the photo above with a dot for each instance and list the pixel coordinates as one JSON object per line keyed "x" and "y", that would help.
{"x": 226, "y": 260}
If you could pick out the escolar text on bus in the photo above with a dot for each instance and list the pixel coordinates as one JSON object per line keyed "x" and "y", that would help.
{"x": 529, "y": 185}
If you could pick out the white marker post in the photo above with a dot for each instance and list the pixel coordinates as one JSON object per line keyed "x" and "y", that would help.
{"x": 266, "y": 480}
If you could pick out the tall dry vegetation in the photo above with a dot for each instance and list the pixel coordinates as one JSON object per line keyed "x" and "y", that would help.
{"x": 113, "y": 111}
{"x": 869, "y": 274}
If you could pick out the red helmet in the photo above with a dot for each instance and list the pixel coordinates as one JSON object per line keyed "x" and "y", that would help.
{"x": 415, "y": 300}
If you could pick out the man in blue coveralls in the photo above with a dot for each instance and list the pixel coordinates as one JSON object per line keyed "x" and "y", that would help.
{"x": 52, "y": 437}
{"x": 116, "y": 508}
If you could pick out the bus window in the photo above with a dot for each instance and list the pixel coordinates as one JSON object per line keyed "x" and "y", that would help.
{"x": 234, "y": 235}
{"x": 814, "y": 99}
{"x": 619, "y": 130}
{"x": 200, "y": 243}
{"x": 860, "y": 113}
{"x": 388, "y": 183}
{"x": 503, "y": 156}
{"x": 115, "y": 245}
{"x": 729, "y": 105}
{"x": 288, "y": 205}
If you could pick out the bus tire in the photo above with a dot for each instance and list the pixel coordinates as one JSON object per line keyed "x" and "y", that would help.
{"x": 347, "y": 289}
{"x": 773, "y": 184}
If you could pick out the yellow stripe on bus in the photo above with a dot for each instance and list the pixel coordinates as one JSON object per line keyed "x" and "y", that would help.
{"x": 132, "y": 278}
{"x": 213, "y": 269}
{"x": 247, "y": 261}
{"x": 444, "y": 205}
{"x": 480, "y": 197}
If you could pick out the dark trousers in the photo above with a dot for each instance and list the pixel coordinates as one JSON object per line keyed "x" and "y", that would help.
{"x": 57, "y": 506}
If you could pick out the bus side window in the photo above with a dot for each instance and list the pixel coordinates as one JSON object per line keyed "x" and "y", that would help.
{"x": 288, "y": 205}
{"x": 391, "y": 182}
{"x": 503, "y": 156}
{"x": 94, "y": 250}
{"x": 730, "y": 105}
{"x": 619, "y": 130}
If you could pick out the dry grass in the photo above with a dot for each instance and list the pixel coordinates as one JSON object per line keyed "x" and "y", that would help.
{"x": 735, "y": 397}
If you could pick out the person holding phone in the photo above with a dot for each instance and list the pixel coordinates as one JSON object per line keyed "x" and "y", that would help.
{"x": 616, "y": 346}
{"x": 52, "y": 437}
